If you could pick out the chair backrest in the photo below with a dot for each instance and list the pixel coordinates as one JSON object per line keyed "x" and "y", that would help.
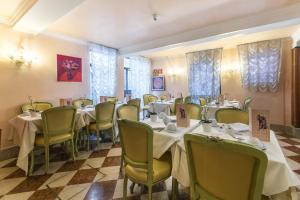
{"x": 129, "y": 112}
{"x": 221, "y": 169}
{"x": 202, "y": 101}
{"x": 208, "y": 99}
{"x": 135, "y": 102}
{"x": 40, "y": 106}
{"x": 105, "y": 112}
{"x": 247, "y": 103}
{"x": 152, "y": 98}
{"x": 148, "y": 98}
{"x": 187, "y": 99}
{"x": 58, "y": 120}
{"x": 137, "y": 145}
{"x": 112, "y": 99}
{"x": 232, "y": 115}
{"x": 193, "y": 111}
{"x": 78, "y": 103}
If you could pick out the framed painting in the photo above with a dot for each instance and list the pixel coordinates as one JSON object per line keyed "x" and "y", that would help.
{"x": 158, "y": 83}
{"x": 69, "y": 69}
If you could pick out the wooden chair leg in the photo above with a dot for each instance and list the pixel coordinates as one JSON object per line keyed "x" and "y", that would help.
{"x": 31, "y": 162}
{"x": 88, "y": 139}
{"x": 46, "y": 159}
{"x": 98, "y": 138}
{"x": 132, "y": 187}
{"x": 174, "y": 189}
{"x": 125, "y": 187}
{"x": 76, "y": 141}
{"x": 113, "y": 135}
{"x": 149, "y": 192}
{"x": 73, "y": 149}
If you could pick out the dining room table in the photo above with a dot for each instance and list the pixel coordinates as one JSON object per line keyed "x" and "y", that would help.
{"x": 25, "y": 126}
{"x": 166, "y": 106}
{"x": 280, "y": 180}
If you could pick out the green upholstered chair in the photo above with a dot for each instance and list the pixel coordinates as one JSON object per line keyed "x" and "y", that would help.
{"x": 221, "y": 169}
{"x": 104, "y": 121}
{"x": 208, "y": 99}
{"x": 202, "y": 101}
{"x": 58, "y": 127}
{"x": 129, "y": 112}
{"x": 148, "y": 98}
{"x": 140, "y": 166}
{"x": 78, "y": 103}
{"x": 112, "y": 99}
{"x": 39, "y": 106}
{"x": 177, "y": 101}
{"x": 247, "y": 103}
{"x": 193, "y": 111}
{"x": 232, "y": 115}
{"x": 187, "y": 99}
{"x": 135, "y": 102}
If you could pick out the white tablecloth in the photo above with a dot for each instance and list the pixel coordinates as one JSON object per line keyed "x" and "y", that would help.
{"x": 25, "y": 127}
{"x": 280, "y": 180}
{"x": 161, "y": 106}
{"x": 279, "y": 176}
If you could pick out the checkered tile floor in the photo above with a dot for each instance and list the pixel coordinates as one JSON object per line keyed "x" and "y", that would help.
{"x": 94, "y": 175}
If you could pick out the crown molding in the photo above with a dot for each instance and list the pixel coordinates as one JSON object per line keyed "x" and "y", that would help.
{"x": 24, "y": 6}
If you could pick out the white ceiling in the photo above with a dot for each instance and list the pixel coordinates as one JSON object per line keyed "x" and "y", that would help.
{"x": 226, "y": 43}
{"x": 122, "y": 23}
{"x": 128, "y": 24}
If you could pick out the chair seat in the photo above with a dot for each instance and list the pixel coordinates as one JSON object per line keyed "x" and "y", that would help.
{"x": 161, "y": 170}
{"x": 101, "y": 126}
{"x": 39, "y": 140}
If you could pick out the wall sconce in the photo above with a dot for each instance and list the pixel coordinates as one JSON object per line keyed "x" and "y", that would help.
{"x": 22, "y": 57}
{"x": 174, "y": 72}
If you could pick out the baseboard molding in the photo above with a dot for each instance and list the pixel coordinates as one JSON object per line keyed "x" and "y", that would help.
{"x": 11, "y": 152}
{"x": 289, "y": 130}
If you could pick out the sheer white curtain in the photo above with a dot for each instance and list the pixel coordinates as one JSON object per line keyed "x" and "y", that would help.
{"x": 204, "y": 73}
{"x": 139, "y": 77}
{"x": 103, "y": 66}
{"x": 260, "y": 65}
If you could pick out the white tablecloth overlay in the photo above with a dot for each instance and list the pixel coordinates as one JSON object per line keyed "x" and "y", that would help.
{"x": 161, "y": 106}
{"x": 279, "y": 176}
{"x": 25, "y": 127}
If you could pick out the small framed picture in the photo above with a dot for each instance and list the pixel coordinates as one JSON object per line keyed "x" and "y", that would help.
{"x": 158, "y": 83}
{"x": 260, "y": 124}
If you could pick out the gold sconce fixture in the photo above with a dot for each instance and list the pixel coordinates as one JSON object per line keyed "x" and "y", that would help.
{"x": 22, "y": 57}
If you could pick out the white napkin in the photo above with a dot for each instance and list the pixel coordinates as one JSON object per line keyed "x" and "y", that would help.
{"x": 239, "y": 127}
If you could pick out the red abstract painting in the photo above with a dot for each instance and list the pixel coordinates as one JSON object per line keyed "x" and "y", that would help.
{"x": 69, "y": 69}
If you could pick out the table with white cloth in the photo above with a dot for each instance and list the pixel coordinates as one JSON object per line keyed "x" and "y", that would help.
{"x": 280, "y": 180}
{"x": 25, "y": 127}
{"x": 161, "y": 106}
{"x": 213, "y": 107}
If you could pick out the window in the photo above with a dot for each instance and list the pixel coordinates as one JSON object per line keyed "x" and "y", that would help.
{"x": 260, "y": 65}
{"x": 103, "y": 64}
{"x": 127, "y": 90}
{"x": 204, "y": 73}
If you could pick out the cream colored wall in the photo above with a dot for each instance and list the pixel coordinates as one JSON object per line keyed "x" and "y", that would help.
{"x": 39, "y": 80}
{"x": 279, "y": 103}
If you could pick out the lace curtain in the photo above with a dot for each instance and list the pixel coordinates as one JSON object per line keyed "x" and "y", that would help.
{"x": 260, "y": 65}
{"x": 139, "y": 76}
{"x": 204, "y": 73}
{"x": 103, "y": 64}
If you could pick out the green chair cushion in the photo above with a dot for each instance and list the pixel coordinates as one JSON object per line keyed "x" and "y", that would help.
{"x": 39, "y": 140}
{"x": 101, "y": 126}
{"x": 161, "y": 169}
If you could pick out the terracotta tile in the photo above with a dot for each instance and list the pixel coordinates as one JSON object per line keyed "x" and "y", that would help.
{"x": 30, "y": 184}
{"x": 11, "y": 164}
{"x": 112, "y": 161}
{"x": 99, "y": 153}
{"x": 83, "y": 176}
{"x": 46, "y": 194}
{"x": 116, "y": 145}
{"x": 297, "y": 171}
{"x": 289, "y": 141}
{"x": 71, "y": 166}
{"x": 130, "y": 198}
{"x": 101, "y": 190}
{"x": 18, "y": 173}
{"x": 293, "y": 149}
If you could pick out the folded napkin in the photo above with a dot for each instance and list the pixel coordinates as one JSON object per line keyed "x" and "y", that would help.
{"x": 239, "y": 127}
